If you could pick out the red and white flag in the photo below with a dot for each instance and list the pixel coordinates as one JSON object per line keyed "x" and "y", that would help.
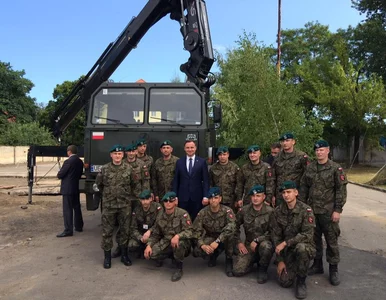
{"x": 98, "y": 135}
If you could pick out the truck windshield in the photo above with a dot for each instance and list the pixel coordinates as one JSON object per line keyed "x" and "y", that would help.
{"x": 180, "y": 106}
{"x": 119, "y": 106}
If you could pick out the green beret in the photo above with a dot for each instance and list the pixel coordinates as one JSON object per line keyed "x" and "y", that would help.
{"x": 141, "y": 142}
{"x": 146, "y": 194}
{"x": 253, "y": 148}
{"x": 169, "y": 196}
{"x": 287, "y": 185}
{"x": 321, "y": 144}
{"x": 214, "y": 191}
{"x": 166, "y": 143}
{"x": 116, "y": 148}
{"x": 222, "y": 149}
{"x": 131, "y": 147}
{"x": 257, "y": 189}
{"x": 286, "y": 136}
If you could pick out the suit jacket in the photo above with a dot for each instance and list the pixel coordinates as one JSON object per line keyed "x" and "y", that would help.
{"x": 70, "y": 174}
{"x": 194, "y": 186}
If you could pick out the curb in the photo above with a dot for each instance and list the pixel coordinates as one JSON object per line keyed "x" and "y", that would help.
{"x": 368, "y": 186}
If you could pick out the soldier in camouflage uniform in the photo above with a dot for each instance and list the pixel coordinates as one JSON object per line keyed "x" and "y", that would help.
{"x": 214, "y": 229}
{"x": 252, "y": 173}
{"x": 224, "y": 175}
{"x": 170, "y": 235}
{"x": 115, "y": 183}
{"x": 141, "y": 154}
{"x": 255, "y": 218}
{"x": 290, "y": 164}
{"x": 323, "y": 187}
{"x": 292, "y": 230}
{"x": 142, "y": 221}
{"x": 163, "y": 171}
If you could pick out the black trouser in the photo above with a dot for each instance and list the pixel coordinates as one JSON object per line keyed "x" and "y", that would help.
{"x": 72, "y": 213}
{"x": 192, "y": 207}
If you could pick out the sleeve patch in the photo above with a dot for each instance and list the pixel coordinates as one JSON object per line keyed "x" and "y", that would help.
{"x": 231, "y": 216}
{"x": 342, "y": 177}
{"x": 159, "y": 207}
{"x": 133, "y": 213}
{"x": 309, "y": 209}
{"x": 188, "y": 222}
{"x": 310, "y": 220}
{"x": 340, "y": 169}
{"x": 185, "y": 215}
{"x": 228, "y": 210}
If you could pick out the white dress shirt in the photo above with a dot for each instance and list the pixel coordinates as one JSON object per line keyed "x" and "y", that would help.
{"x": 187, "y": 161}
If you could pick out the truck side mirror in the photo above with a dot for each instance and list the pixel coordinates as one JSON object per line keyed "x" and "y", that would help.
{"x": 217, "y": 113}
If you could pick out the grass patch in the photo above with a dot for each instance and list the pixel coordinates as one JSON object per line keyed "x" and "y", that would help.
{"x": 361, "y": 174}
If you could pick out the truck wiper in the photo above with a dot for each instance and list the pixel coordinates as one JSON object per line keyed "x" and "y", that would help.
{"x": 112, "y": 120}
{"x": 168, "y": 120}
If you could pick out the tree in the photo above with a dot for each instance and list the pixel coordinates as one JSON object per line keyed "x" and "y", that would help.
{"x": 18, "y": 134}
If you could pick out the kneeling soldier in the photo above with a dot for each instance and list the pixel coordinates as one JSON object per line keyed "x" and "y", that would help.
{"x": 170, "y": 235}
{"x": 214, "y": 229}
{"x": 142, "y": 221}
{"x": 255, "y": 218}
{"x": 292, "y": 233}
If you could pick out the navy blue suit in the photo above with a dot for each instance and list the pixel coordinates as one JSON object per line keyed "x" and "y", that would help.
{"x": 191, "y": 188}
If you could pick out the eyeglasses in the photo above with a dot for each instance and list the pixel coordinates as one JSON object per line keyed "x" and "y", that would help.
{"x": 170, "y": 200}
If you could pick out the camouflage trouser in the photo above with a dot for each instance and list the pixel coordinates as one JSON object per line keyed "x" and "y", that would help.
{"x": 136, "y": 245}
{"x": 226, "y": 245}
{"x": 109, "y": 218}
{"x": 119, "y": 233}
{"x": 163, "y": 250}
{"x": 242, "y": 263}
{"x": 296, "y": 260}
{"x": 331, "y": 232}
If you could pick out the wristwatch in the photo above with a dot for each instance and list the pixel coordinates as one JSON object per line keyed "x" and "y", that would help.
{"x": 218, "y": 241}
{"x": 256, "y": 240}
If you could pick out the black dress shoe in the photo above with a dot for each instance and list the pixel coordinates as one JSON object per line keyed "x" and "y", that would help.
{"x": 64, "y": 234}
{"x": 79, "y": 230}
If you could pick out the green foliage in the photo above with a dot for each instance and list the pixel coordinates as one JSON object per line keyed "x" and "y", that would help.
{"x": 18, "y": 134}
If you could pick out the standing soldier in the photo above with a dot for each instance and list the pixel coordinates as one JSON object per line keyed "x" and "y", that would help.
{"x": 323, "y": 187}
{"x": 115, "y": 183}
{"x": 292, "y": 230}
{"x": 275, "y": 150}
{"x": 170, "y": 235}
{"x": 290, "y": 164}
{"x": 163, "y": 171}
{"x": 214, "y": 229}
{"x": 224, "y": 175}
{"x": 254, "y": 172}
{"x": 257, "y": 247}
{"x": 141, "y": 154}
{"x": 142, "y": 221}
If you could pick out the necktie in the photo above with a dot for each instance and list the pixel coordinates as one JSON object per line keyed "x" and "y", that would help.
{"x": 190, "y": 165}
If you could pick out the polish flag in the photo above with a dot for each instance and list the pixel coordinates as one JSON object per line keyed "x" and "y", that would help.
{"x": 98, "y": 135}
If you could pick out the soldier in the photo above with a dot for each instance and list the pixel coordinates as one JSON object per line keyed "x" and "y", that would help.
{"x": 254, "y": 172}
{"x": 163, "y": 171}
{"x": 257, "y": 247}
{"x": 290, "y": 164}
{"x": 323, "y": 187}
{"x": 142, "y": 221}
{"x": 275, "y": 150}
{"x": 141, "y": 154}
{"x": 115, "y": 183}
{"x": 214, "y": 229}
{"x": 170, "y": 235}
{"x": 224, "y": 175}
{"x": 292, "y": 230}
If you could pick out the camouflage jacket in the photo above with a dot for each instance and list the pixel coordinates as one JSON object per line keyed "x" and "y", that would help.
{"x": 142, "y": 221}
{"x": 293, "y": 226}
{"x": 141, "y": 177}
{"x": 116, "y": 185}
{"x": 255, "y": 223}
{"x": 323, "y": 187}
{"x": 167, "y": 226}
{"x": 251, "y": 175}
{"x": 219, "y": 225}
{"x": 148, "y": 160}
{"x": 289, "y": 166}
{"x": 162, "y": 175}
{"x": 225, "y": 177}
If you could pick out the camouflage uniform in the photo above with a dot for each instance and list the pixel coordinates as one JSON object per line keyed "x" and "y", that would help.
{"x": 164, "y": 229}
{"x": 209, "y": 227}
{"x": 115, "y": 183}
{"x": 251, "y": 175}
{"x": 296, "y": 227}
{"x": 288, "y": 166}
{"x": 141, "y": 177}
{"x": 225, "y": 177}
{"x": 148, "y": 160}
{"x": 142, "y": 221}
{"x": 323, "y": 187}
{"x": 256, "y": 225}
{"x": 162, "y": 175}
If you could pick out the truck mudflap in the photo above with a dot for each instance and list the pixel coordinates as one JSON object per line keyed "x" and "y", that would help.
{"x": 93, "y": 198}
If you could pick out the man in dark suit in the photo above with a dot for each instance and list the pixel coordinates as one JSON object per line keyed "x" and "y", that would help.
{"x": 70, "y": 174}
{"x": 191, "y": 180}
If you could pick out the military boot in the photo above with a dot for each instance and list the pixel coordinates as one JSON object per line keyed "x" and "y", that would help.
{"x": 316, "y": 268}
{"x": 178, "y": 273}
{"x": 301, "y": 288}
{"x": 116, "y": 252}
{"x": 107, "y": 261}
{"x": 262, "y": 275}
{"x": 334, "y": 275}
{"x": 229, "y": 266}
{"x": 125, "y": 257}
{"x": 213, "y": 259}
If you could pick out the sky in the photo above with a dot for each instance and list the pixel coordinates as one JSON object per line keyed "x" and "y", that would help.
{"x": 54, "y": 41}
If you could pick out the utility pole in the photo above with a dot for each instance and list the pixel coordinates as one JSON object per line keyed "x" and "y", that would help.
{"x": 278, "y": 66}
